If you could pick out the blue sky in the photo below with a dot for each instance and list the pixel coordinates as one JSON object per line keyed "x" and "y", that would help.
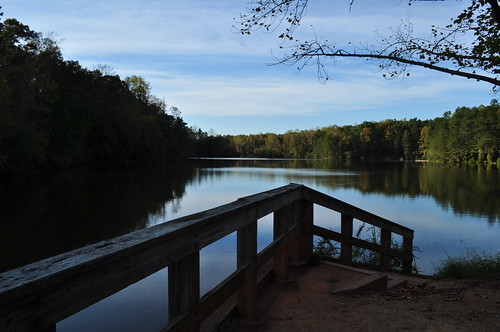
{"x": 222, "y": 81}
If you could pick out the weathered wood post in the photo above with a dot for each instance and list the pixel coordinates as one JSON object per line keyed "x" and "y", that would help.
{"x": 408, "y": 251}
{"x": 184, "y": 286}
{"x": 385, "y": 242}
{"x": 294, "y": 246}
{"x": 247, "y": 251}
{"x": 306, "y": 236}
{"x": 346, "y": 244}
{"x": 282, "y": 219}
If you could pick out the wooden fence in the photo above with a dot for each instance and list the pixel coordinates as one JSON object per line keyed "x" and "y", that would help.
{"x": 37, "y": 296}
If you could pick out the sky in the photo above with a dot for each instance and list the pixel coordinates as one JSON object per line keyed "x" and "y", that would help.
{"x": 225, "y": 83}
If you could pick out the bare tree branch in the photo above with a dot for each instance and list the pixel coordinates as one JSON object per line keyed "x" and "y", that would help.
{"x": 478, "y": 59}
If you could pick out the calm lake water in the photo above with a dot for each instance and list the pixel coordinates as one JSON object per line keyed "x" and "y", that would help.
{"x": 451, "y": 209}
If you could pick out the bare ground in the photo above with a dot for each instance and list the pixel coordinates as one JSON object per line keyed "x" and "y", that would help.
{"x": 308, "y": 302}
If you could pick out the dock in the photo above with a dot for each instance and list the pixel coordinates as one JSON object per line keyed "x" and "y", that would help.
{"x": 37, "y": 296}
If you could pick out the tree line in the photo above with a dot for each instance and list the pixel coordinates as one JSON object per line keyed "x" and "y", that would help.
{"x": 55, "y": 114}
{"x": 468, "y": 135}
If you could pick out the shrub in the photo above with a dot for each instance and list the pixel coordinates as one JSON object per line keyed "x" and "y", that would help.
{"x": 471, "y": 265}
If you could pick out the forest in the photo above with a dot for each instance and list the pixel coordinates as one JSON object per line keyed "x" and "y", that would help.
{"x": 468, "y": 135}
{"x": 55, "y": 114}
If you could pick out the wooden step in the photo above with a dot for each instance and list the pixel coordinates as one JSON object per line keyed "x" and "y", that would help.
{"x": 393, "y": 283}
{"x": 371, "y": 282}
{"x": 374, "y": 280}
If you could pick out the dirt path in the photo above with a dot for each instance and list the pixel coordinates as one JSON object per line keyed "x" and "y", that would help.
{"x": 307, "y": 304}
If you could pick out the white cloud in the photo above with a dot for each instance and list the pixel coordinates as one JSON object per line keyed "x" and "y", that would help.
{"x": 301, "y": 96}
{"x": 137, "y": 27}
{"x": 171, "y": 27}
{"x": 191, "y": 56}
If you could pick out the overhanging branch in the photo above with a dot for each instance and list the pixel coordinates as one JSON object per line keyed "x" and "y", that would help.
{"x": 340, "y": 53}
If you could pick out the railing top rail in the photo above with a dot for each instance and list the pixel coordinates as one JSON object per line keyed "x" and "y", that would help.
{"x": 346, "y": 208}
{"x": 78, "y": 260}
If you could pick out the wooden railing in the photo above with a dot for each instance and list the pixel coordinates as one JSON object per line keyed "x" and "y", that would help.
{"x": 37, "y": 296}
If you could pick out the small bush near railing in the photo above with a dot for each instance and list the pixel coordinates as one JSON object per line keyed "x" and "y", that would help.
{"x": 471, "y": 265}
{"x": 364, "y": 256}
{"x": 326, "y": 248}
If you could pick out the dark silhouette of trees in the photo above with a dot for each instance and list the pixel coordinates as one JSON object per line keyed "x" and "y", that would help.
{"x": 213, "y": 146}
{"x": 54, "y": 114}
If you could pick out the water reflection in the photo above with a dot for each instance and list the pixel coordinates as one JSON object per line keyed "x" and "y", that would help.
{"x": 40, "y": 219}
{"x": 466, "y": 190}
{"x": 43, "y": 218}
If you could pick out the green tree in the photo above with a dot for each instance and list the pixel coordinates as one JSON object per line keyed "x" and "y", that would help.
{"x": 298, "y": 144}
{"x": 423, "y": 142}
{"x": 272, "y": 146}
{"x": 324, "y": 144}
{"x": 139, "y": 86}
{"x": 366, "y": 140}
{"x": 468, "y": 135}
{"x": 407, "y": 145}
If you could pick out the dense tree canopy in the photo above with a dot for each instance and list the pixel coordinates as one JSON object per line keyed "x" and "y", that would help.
{"x": 444, "y": 52}
{"x": 55, "y": 114}
{"x": 468, "y": 135}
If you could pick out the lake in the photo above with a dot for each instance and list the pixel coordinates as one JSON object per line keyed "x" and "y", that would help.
{"x": 451, "y": 209}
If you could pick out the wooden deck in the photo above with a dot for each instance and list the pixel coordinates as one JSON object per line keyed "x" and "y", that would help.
{"x": 35, "y": 297}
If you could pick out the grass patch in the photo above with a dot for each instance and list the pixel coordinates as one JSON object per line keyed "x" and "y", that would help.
{"x": 325, "y": 248}
{"x": 471, "y": 265}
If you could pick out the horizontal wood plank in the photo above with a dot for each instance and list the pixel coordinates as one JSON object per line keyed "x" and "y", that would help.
{"x": 357, "y": 213}
{"x": 335, "y": 236}
{"x": 214, "y": 298}
{"x": 69, "y": 282}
